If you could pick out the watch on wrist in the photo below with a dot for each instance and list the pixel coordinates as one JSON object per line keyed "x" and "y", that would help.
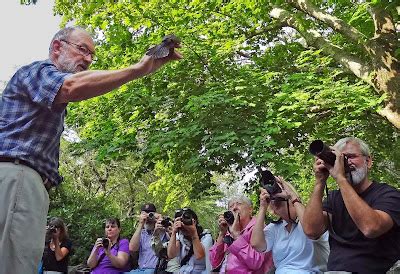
{"x": 297, "y": 200}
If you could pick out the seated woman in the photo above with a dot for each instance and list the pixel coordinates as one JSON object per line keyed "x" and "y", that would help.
{"x": 110, "y": 255}
{"x": 57, "y": 247}
{"x": 292, "y": 251}
{"x": 189, "y": 243}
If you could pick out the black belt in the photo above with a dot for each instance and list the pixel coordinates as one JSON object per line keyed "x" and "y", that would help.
{"x": 46, "y": 182}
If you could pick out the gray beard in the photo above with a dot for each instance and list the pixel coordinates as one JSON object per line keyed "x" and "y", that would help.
{"x": 359, "y": 175}
{"x": 65, "y": 64}
{"x": 149, "y": 226}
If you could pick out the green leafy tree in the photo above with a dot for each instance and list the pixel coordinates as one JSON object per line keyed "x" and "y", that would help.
{"x": 246, "y": 95}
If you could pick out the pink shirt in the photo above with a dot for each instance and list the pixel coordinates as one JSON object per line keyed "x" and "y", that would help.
{"x": 241, "y": 258}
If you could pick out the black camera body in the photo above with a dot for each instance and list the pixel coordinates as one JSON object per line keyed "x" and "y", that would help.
{"x": 228, "y": 240}
{"x": 166, "y": 222}
{"x": 269, "y": 182}
{"x": 52, "y": 229}
{"x": 229, "y": 217}
{"x": 106, "y": 243}
{"x": 49, "y": 234}
{"x": 186, "y": 216}
{"x": 324, "y": 152}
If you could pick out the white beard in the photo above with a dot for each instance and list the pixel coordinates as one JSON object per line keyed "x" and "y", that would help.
{"x": 359, "y": 174}
{"x": 65, "y": 64}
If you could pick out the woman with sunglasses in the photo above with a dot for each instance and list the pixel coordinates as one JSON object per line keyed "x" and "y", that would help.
{"x": 57, "y": 248}
{"x": 110, "y": 254}
{"x": 292, "y": 251}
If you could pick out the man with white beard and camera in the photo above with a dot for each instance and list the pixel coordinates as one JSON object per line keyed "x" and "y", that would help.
{"x": 362, "y": 216}
{"x": 141, "y": 239}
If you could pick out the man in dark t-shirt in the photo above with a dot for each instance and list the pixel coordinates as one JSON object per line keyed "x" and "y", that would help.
{"x": 363, "y": 217}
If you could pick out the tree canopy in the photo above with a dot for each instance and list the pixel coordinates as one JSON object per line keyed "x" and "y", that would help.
{"x": 259, "y": 81}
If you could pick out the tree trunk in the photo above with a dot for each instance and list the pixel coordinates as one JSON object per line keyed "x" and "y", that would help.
{"x": 381, "y": 70}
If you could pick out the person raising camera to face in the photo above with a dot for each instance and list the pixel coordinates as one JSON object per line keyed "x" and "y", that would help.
{"x": 292, "y": 250}
{"x": 232, "y": 252}
{"x": 57, "y": 247}
{"x": 189, "y": 243}
{"x": 164, "y": 264}
{"x": 110, "y": 254}
{"x": 362, "y": 215}
{"x": 141, "y": 239}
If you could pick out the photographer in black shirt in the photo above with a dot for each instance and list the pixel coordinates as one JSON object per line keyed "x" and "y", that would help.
{"x": 57, "y": 247}
{"x": 362, "y": 216}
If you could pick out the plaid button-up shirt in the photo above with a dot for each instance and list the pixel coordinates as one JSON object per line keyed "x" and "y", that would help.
{"x": 30, "y": 125}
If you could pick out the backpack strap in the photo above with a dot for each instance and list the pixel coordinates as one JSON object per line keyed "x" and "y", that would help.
{"x": 186, "y": 259}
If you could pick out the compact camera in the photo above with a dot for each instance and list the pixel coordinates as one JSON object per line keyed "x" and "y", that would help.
{"x": 106, "y": 243}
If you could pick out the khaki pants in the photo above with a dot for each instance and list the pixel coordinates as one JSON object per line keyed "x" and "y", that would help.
{"x": 24, "y": 203}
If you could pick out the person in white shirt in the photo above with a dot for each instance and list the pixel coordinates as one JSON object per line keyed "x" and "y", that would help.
{"x": 292, "y": 250}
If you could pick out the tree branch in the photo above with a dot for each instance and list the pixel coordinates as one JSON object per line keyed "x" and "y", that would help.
{"x": 389, "y": 112}
{"x": 335, "y": 23}
{"x": 384, "y": 43}
{"x": 357, "y": 66}
{"x": 264, "y": 30}
{"x": 243, "y": 54}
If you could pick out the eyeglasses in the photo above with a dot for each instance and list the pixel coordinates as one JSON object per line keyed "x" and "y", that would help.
{"x": 353, "y": 155}
{"x": 83, "y": 50}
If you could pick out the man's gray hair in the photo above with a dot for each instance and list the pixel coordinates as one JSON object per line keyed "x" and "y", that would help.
{"x": 240, "y": 198}
{"x": 363, "y": 146}
{"x": 63, "y": 34}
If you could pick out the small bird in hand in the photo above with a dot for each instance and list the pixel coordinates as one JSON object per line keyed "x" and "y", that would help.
{"x": 165, "y": 48}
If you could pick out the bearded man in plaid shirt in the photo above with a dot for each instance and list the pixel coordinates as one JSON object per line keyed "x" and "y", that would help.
{"x": 32, "y": 111}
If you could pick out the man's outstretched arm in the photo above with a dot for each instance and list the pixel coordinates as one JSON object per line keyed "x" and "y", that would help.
{"x": 88, "y": 84}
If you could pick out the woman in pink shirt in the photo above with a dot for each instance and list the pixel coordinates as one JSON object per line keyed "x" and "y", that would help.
{"x": 232, "y": 252}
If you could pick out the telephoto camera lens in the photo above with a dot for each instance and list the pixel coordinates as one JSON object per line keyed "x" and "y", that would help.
{"x": 324, "y": 152}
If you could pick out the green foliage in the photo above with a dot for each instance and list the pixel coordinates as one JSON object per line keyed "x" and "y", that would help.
{"x": 166, "y": 137}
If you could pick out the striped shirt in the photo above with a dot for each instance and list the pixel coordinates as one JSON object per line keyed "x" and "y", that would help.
{"x": 30, "y": 126}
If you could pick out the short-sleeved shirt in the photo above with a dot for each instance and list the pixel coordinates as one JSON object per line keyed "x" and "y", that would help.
{"x": 105, "y": 266}
{"x": 195, "y": 266}
{"x": 50, "y": 262}
{"x": 147, "y": 256}
{"x": 350, "y": 249}
{"x": 293, "y": 252}
{"x": 30, "y": 124}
